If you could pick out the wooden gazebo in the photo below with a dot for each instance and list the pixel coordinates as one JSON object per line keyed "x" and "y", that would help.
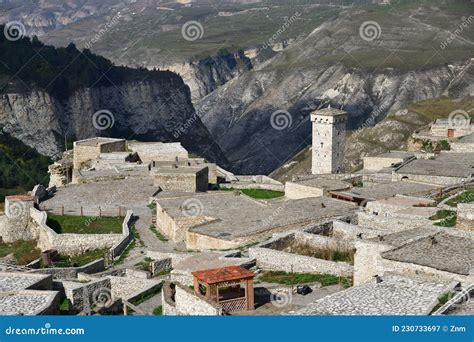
{"x": 230, "y": 287}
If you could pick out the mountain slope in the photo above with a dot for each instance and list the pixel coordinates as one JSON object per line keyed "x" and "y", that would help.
{"x": 392, "y": 133}
{"x": 49, "y": 94}
{"x": 335, "y": 65}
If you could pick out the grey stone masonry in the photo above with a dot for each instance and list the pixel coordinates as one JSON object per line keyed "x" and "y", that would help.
{"x": 329, "y": 136}
{"x": 389, "y": 295}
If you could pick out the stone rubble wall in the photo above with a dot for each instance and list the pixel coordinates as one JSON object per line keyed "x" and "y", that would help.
{"x": 369, "y": 262}
{"x": 72, "y": 272}
{"x": 462, "y": 147}
{"x": 188, "y": 304}
{"x": 17, "y": 225}
{"x": 377, "y": 163}
{"x": 75, "y": 244}
{"x": 438, "y": 180}
{"x": 83, "y": 296}
{"x": 274, "y": 260}
{"x": 348, "y": 231}
{"x": 391, "y": 224}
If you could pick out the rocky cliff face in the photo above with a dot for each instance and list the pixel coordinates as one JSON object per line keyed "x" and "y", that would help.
{"x": 160, "y": 111}
{"x": 273, "y": 105}
{"x": 206, "y": 75}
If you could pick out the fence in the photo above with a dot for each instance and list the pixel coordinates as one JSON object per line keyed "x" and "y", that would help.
{"x": 99, "y": 211}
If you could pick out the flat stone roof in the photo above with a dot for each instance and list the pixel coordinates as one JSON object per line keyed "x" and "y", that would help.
{"x": 406, "y": 201}
{"x": 26, "y": 302}
{"x": 321, "y": 182}
{"x": 394, "y": 295}
{"x": 124, "y": 192}
{"x": 384, "y": 190}
{"x": 446, "y": 253}
{"x": 402, "y": 237}
{"x": 448, "y": 164}
{"x": 14, "y": 281}
{"x": 394, "y": 154}
{"x": 329, "y": 112}
{"x": 238, "y": 215}
{"x": 178, "y": 170}
{"x": 157, "y": 147}
{"x": 448, "y": 122}
{"x": 96, "y": 141}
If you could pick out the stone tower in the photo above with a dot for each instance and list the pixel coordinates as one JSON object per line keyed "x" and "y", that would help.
{"x": 329, "y": 136}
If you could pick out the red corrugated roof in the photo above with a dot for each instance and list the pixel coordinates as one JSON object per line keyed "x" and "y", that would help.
{"x": 219, "y": 275}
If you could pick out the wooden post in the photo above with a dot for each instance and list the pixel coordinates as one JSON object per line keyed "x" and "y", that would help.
{"x": 100, "y": 212}
{"x": 125, "y": 310}
{"x": 82, "y": 212}
{"x": 62, "y": 210}
{"x": 249, "y": 294}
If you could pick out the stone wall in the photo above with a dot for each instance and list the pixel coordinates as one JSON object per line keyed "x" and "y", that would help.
{"x": 270, "y": 258}
{"x": 182, "y": 182}
{"x": 16, "y": 224}
{"x": 348, "y": 231}
{"x": 297, "y": 191}
{"x": 188, "y": 304}
{"x": 440, "y": 130}
{"x": 72, "y": 272}
{"x": 75, "y": 244}
{"x": 157, "y": 151}
{"x": 84, "y": 152}
{"x": 438, "y": 180}
{"x": 368, "y": 262}
{"x": 391, "y": 224}
{"x": 82, "y": 295}
{"x": 377, "y": 163}
{"x": 462, "y": 147}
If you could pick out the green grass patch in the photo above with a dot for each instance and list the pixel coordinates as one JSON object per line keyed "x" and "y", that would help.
{"x": 465, "y": 197}
{"x": 65, "y": 306}
{"x": 80, "y": 260}
{"x": 443, "y": 299}
{"x": 24, "y": 252}
{"x": 257, "y": 193}
{"x": 442, "y": 214}
{"x": 287, "y": 278}
{"x": 447, "y": 222}
{"x": 63, "y": 224}
{"x": 158, "y": 311}
{"x": 158, "y": 234}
